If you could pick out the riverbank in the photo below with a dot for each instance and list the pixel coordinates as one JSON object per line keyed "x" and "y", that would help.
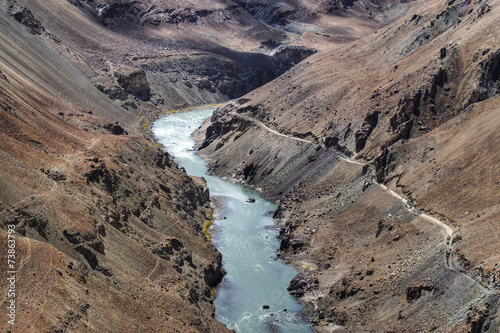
{"x": 254, "y": 277}
{"x": 371, "y": 262}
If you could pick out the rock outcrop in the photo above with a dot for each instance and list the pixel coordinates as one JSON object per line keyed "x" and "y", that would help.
{"x": 136, "y": 84}
{"x": 295, "y": 54}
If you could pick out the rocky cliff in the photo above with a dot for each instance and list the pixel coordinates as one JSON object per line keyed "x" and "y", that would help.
{"x": 380, "y": 155}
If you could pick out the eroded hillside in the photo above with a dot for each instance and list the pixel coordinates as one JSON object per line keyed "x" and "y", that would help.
{"x": 108, "y": 229}
{"x": 381, "y": 155}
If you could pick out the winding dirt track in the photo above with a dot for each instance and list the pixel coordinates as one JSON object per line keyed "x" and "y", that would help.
{"x": 260, "y": 124}
{"x": 448, "y": 230}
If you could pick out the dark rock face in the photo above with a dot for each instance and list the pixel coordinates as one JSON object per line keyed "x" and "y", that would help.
{"x": 135, "y": 84}
{"x": 269, "y": 12}
{"x": 415, "y": 292}
{"x": 424, "y": 109}
{"x": 87, "y": 244}
{"x": 229, "y": 74}
{"x": 26, "y": 221}
{"x": 26, "y": 18}
{"x": 295, "y": 54}
{"x": 214, "y": 273}
{"x": 300, "y": 284}
{"x": 162, "y": 159}
{"x": 362, "y": 134}
{"x": 115, "y": 129}
{"x": 136, "y": 12}
{"x": 220, "y": 126}
{"x": 115, "y": 92}
{"x": 489, "y": 82}
{"x": 101, "y": 174}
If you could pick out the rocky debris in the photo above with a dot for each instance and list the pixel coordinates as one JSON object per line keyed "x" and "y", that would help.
{"x": 162, "y": 160}
{"x": 163, "y": 250}
{"x": 86, "y": 244}
{"x": 221, "y": 125}
{"x": 416, "y": 291}
{"x": 207, "y": 85}
{"x": 251, "y": 200}
{"x": 477, "y": 318}
{"x": 134, "y": 12}
{"x": 24, "y": 16}
{"x": 115, "y": 129}
{"x": 346, "y": 288}
{"x": 425, "y": 107}
{"x": 129, "y": 11}
{"x": 274, "y": 13}
{"x": 214, "y": 273}
{"x": 26, "y": 221}
{"x": 300, "y": 284}
{"x": 54, "y": 175}
{"x": 88, "y": 254}
{"x": 231, "y": 74}
{"x": 339, "y": 317}
{"x": 102, "y": 175}
{"x": 284, "y": 239}
{"x": 114, "y": 92}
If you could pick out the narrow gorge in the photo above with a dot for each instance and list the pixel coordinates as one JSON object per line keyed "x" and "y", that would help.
{"x": 253, "y": 295}
{"x": 370, "y": 127}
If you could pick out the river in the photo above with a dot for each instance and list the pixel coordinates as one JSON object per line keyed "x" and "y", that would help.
{"x": 244, "y": 233}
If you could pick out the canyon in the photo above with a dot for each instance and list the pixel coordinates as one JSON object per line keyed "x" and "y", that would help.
{"x": 372, "y": 124}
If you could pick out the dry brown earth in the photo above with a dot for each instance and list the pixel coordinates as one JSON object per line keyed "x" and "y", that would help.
{"x": 417, "y": 103}
{"x": 109, "y": 229}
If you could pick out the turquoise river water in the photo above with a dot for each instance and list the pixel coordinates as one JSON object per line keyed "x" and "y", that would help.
{"x": 245, "y": 236}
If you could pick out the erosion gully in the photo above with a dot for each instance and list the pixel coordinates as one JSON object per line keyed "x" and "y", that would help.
{"x": 245, "y": 233}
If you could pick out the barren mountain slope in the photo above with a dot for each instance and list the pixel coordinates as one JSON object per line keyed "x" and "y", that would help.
{"x": 174, "y": 54}
{"x": 108, "y": 229}
{"x": 413, "y": 106}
